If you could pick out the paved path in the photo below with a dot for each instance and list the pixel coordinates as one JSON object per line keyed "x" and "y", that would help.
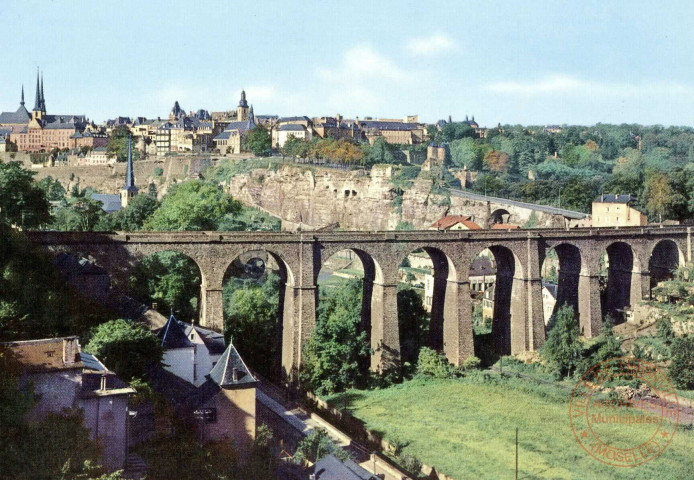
{"x": 304, "y": 423}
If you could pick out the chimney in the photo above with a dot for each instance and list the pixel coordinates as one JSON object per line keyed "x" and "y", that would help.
{"x": 71, "y": 350}
{"x": 235, "y": 374}
{"x": 103, "y": 383}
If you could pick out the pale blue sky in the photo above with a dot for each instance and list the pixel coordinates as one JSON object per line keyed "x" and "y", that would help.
{"x": 530, "y": 62}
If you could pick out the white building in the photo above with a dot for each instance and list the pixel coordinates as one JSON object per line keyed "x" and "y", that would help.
{"x": 190, "y": 352}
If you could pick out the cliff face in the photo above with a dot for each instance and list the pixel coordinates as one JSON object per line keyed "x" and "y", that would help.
{"x": 354, "y": 199}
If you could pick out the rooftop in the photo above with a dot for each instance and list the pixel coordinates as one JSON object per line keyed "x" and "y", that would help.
{"x": 449, "y": 221}
{"x": 615, "y": 198}
{"x": 48, "y": 354}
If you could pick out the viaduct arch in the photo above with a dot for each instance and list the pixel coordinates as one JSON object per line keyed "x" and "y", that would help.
{"x": 637, "y": 257}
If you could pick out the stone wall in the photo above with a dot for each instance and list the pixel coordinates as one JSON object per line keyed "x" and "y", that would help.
{"x": 357, "y": 200}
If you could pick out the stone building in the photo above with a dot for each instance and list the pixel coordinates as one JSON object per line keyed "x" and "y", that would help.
{"x": 64, "y": 377}
{"x": 617, "y": 211}
{"x": 393, "y": 131}
{"x": 455, "y": 222}
{"x": 230, "y": 140}
{"x": 42, "y": 132}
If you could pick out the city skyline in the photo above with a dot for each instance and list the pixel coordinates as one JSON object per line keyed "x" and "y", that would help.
{"x": 530, "y": 64}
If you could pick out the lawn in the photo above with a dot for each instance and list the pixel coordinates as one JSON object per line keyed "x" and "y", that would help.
{"x": 466, "y": 429}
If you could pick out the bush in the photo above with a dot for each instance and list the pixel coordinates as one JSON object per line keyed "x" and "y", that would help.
{"x": 434, "y": 364}
{"x": 682, "y": 366}
{"x": 563, "y": 350}
{"x": 158, "y": 171}
{"x": 471, "y": 363}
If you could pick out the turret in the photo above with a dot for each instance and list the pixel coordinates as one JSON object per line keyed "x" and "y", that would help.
{"x": 130, "y": 190}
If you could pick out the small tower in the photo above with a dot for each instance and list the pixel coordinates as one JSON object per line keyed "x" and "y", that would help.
{"x": 22, "y": 102}
{"x": 37, "y": 112}
{"x": 242, "y": 109}
{"x": 130, "y": 190}
{"x": 251, "y": 118}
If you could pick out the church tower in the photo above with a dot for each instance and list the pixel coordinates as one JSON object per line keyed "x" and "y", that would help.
{"x": 130, "y": 190}
{"x": 242, "y": 109}
{"x": 39, "y": 105}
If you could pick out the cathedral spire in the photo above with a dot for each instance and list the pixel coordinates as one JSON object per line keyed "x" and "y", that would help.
{"x": 37, "y": 103}
{"x": 251, "y": 116}
{"x": 43, "y": 99}
{"x": 22, "y": 102}
{"x": 129, "y": 173}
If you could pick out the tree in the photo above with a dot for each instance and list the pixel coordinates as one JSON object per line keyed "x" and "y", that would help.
{"x": 117, "y": 145}
{"x": 193, "y": 205}
{"x": 413, "y": 324}
{"x": 132, "y": 217}
{"x": 563, "y": 349}
{"x": 658, "y": 194}
{"x": 22, "y": 202}
{"x": 337, "y": 348}
{"x": 682, "y": 362}
{"x": 81, "y": 214}
{"x": 258, "y": 141}
{"x": 251, "y": 313}
{"x": 317, "y": 445}
{"x": 434, "y": 364}
{"x": 52, "y": 188}
{"x": 170, "y": 279}
{"x": 495, "y": 161}
{"x": 125, "y": 348}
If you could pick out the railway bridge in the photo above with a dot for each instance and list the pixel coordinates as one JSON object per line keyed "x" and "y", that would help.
{"x": 637, "y": 257}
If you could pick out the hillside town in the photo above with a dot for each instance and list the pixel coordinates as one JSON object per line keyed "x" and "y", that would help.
{"x": 299, "y": 294}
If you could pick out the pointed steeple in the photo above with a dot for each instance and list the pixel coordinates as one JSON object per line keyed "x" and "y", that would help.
{"x": 37, "y": 103}
{"x": 129, "y": 173}
{"x": 243, "y": 102}
{"x": 43, "y": 99}
{"x": 251, "y": 116}
{"x": 22, "y": 101}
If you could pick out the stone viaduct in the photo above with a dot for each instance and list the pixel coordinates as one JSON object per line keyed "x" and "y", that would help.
{"x": 637, "y": 258}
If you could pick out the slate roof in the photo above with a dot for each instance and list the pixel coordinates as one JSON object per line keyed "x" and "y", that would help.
{"x": 551, "y": 288}
{"x": 46, "y": 355}
{"x": 213, "y": 341}
{"x": 173, "y": 335}
{"x": 291, "y": 127}
{"x": 294, "y": 119}
{"x": 331, "y": 468}
{"x": 612, "y": 198}
{"x": 223, "y": 373}
{"x": 4, "y": 132}
{"x": 482, "y": 266}
{"x": 377, "y": 124}
{"x": 22, "y": 115}
{"x": 61, "y": 126}
{"x": 111, "y": 203}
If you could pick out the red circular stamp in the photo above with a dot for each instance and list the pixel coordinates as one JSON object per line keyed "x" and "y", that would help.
{"x": 624, "y": 412}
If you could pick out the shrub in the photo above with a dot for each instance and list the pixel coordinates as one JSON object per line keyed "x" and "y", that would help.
{"x": 563, "y": 350}
{"x": 682, "y": 366}
{"x": 158, "y": 171}
{"x": 434, "y": 364}
{"x": 471, "y": 363}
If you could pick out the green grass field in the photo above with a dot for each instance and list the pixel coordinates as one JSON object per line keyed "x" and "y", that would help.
{"x": 466, "y": 429}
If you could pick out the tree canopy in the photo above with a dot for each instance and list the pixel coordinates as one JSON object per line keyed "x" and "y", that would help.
{"x": 22, "y": 201}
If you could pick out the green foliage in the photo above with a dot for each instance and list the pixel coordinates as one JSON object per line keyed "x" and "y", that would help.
{"x": 338, "y": 347}
{"x": 22, "y": 202}
{"x": 434, "y": 364}
{"x": 132, "y": 217}
{"x": 317, "y": 445}
{"x": 182, "y": 456}
{"x": 52, "y": 188}
{"x": 681, "y": 369}
{"x": 117, "y": 145}
{"x": 665, "y": 331}
{"x": 56, "y": 447}
{"x": 562, "y": 349}
{"x": 35, "y": 301}
{"x": 258, "y": 141}
{"x": 413, "y": 323}
{"x": 125, "y": 348}
{"x": 193, "y": 205}
{"x": 404, "y": 225}
{"x": 467, "y": 153}
{"x": 251, "y": 316}
{"x": 78, "y": 214}
{"x": 404, "y": 176}
{"x": 250, "y": 219}
{"x": 158, "y": 171}
{"x": 471, "y": 363}
{"x": 171, "y": 279}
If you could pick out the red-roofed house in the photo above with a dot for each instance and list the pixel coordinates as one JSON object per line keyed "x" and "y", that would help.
{"x": 455, "y": 222}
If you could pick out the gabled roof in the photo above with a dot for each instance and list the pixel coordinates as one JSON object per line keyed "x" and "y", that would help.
{"x": 291, "y": 127}
{"x": 612, "y": 198}
{"x": 294, "y": 119}
{"x": 111, "y": 203}
{"x": 449, "y": 221}
{"x": 551, "y": 288}
{"x": 213, "y": 341}
{"x": 173, "y": 335}
{"x": 230, "y": 371}
{"x": 22, "y": 115}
